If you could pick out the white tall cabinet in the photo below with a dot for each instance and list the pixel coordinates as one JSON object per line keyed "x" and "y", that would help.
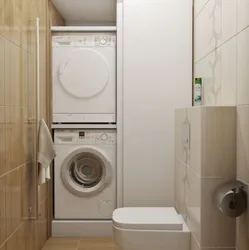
{"x": 157, "y": 72}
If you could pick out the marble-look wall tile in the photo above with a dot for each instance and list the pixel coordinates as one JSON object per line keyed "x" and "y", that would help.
{"x": 180, "y": 190}
{"x": 242, "y": 232}
{"x": 243, "y": 143}
{"x": 212, "y": 150}
{"x": 243, "y": 17}
{"x": 217, "y": 230}
{"x": 195, "y": 151}
{"x": 219, "y": 17}
{"x": 180, "y": 118}
{"x": 219, "y": 142}
{"x": 192, "y": 185}
{"x": 218, "y": 72}
{"x": 242, "y": 68}
{"x": 198, "y": 6}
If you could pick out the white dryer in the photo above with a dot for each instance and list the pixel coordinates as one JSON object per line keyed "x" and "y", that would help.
{"x": 85, "y": 174}
{"x": 84, "y": 77}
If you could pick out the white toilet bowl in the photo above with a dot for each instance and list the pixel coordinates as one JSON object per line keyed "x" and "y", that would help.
{"x": 150, "y": 229}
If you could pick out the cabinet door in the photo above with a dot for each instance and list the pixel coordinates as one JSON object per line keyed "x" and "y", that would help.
{"x": 157, "y": 74}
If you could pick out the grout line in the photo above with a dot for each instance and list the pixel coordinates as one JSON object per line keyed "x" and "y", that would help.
{"x": 15, "y": 169}
{"x": 11, "y": 235}
{"x": 199, "y": 175}
{"x": 218, "y": 47}
{"x": 242, "y": 105}
{"x": 8, "y": 40}
{"x": 78, "y": 244}
{"x": 201, "y": 10}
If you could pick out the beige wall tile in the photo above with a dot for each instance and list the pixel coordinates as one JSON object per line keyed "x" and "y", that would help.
{"x": 29, "y": 198}
{"x": 12, "y": 243}
{"x": 16, "y": 199}
{"x": 2, "y": 141}
{"x": 2, "y": 210}
{"x": 3, "y": 247}
{"x": 13, "y": 201}
{"x": 180, "y": 118}
{"x": 42, "y": 225}
{"x": 2, "y": 42}
{"x": 217, "y": 230}
{"x": 242, "y": 68}
{"x": 12, "y": 74}
{"x": 42, "y": 192}
{"x": 1, "y": 17}
{"x": 243, "y": 143}
{"x": 219, "y": 142}
{"x": 21, "y": 238}
{"x": 15, "y": 130}
{"x": 180, "y": 192}
{"x": 8, "y": 210}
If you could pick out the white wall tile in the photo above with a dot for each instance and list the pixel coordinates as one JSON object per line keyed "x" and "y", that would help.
{"x": 219, "y": 142}
{"x": 243, "y": 143}
{"x": 195, "y": 119}
{"x": 219, "y": 75}
{"x": 209, "y": 68}
{"x": 229, "y": 19}
{"x": 217, "y": 230}
{"x": 192, "y": 185}
{"x": 180, "y": 118}
{"x": 243, "y": 14}
{"x": 229, "y": 72}
{"x": 198, "y": 6}
{"x": 207, "y": 30}
{"x": 180, "y": 192}
{"x": 215, "y": 25}
{"x": 242, "y": 68}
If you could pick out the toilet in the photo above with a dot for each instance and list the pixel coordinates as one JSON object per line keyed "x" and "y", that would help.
{"x": 140, "y": 228}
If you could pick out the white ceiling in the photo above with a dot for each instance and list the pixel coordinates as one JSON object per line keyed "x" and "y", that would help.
{"x": 87, "y": 12}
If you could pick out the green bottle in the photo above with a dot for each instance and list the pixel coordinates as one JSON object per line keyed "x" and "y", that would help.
{"x": 198, "y": 92}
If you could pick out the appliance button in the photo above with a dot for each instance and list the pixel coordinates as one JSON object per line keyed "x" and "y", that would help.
{"x": 104, "y": 137}
{"x": 103, "y": 41}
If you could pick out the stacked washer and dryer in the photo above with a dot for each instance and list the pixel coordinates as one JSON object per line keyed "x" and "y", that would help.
{"x": 84, "y": 122}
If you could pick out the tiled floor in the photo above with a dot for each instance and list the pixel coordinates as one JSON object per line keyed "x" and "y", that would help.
{"x": 80, "y": 244}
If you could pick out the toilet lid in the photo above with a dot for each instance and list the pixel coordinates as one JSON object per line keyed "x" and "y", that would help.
{"x": 141, "y": 218}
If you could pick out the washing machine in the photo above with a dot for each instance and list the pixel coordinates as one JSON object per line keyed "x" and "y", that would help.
{"x": 84, "y": 174}
{"x": 84, "y": 77}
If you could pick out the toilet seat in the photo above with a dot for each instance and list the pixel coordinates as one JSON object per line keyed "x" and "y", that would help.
{"x": 142, "y": 218}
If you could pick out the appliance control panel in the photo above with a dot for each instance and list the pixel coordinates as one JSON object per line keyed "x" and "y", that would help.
{"x": 86, "y": 40}
{"x": 85, "y": 137}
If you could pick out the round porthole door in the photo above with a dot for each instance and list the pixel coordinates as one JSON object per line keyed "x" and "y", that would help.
{"x": 86, "y": 171}
{"x": 84, "y": 73}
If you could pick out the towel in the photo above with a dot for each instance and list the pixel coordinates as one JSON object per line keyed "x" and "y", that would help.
{"x": 46, "y": 152}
